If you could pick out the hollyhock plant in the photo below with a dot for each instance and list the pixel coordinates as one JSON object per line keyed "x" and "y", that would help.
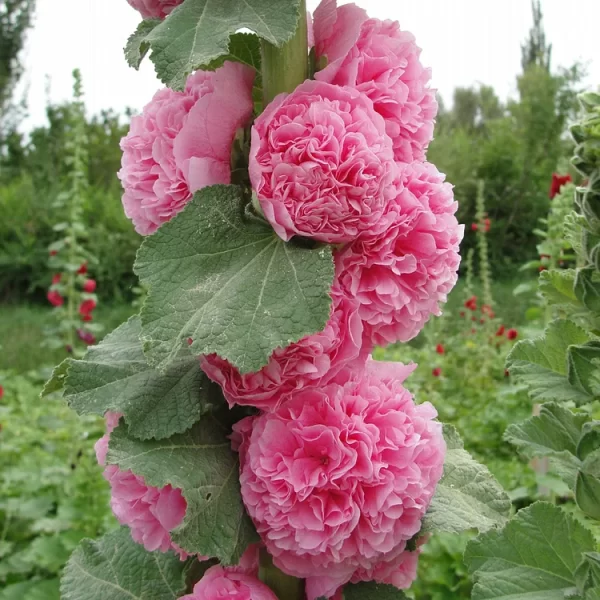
{"x": 338, "y": 478}
{"x": 310, "y": 362}
{"x": 400, "y": 277}
{"x": 154, "y": 9}
{"x": 182, "y": 142}
{"x": 321, "y": 164}
{"x": 149, "y": 512}
{"x": 220, "y": 583}
{"x": 381, "y": 61}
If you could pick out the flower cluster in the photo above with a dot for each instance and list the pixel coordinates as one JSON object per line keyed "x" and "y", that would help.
{"x": 338, "y": 465}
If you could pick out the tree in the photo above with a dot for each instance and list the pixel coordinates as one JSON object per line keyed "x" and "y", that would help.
{"x": 15, "y": 19}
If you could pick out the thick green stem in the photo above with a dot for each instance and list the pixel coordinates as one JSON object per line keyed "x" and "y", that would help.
{"x": 284, "y": 586}
{"x": 285, "y": 68}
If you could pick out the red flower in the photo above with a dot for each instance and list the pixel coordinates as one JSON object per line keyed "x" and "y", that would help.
{"x": 511, "y": 334}
{"x": 487, "y": 223}
{"x": 486, "y": 309}
{"x": 506, "y": 373}
{"x": 462, "y": 313}
{"x": 53, "y": 252}
{"x": 474, "y": 227}
{"x": 56, "y": 279}
{"x": 542, "y": 268}
{"x": 439, "y": 349}
{"x": 55, "y": 298}
{"x": 500, "y": 331}
{"x": 482, "y": 320}
{"x": 86, "y": 318}
{"x": 190, "y": 341}
{"x": 82, "y": 269}
{"x": 471, "y": 303}
{"x": 1, "y": 392}
{"x": 557, "y": 182}
{"x": 69, "y": 348}
{"x": 89, "y": 286}
{"x": 86, "y": 307}
{"x": 436, "y": 372}
{"x": 86, "y": 336}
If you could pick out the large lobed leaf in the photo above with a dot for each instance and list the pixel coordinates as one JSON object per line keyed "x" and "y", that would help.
{"x": 229, "y": 284}
{"x": 468, "y": 496}
{"x": 114, "y": 376}
{"x": 372, "y": 591}
{"x": 542, "y": 364}
{"x": 534, "y": 556}
{"x": 117, "y": 568}
{"x": 201, "y": 463}
{"x": 197, "y": 32}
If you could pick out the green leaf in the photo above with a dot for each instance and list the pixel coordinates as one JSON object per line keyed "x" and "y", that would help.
{"x": 138, "y": 45}
{"x": 56, "y": 383}
{"x": 534, "y": 556}
{"x": 587, "y": 288}
{"x": 593, "y": 594}
{"x": 372, "y": 591}
{"x": 197, "y": 32}
{"x": 229, "y": 283}
{"x": 582, "y": 363}
{"x": 114, "y": 376}
{"x": 556, "y": 286}
{"x": 201, "y": 463}
{"x": 590, "y": 439}
{"x": 587, "y": 494}
{"x": 555, "y": 432}
{"x": 555, "y": 429}
{"x": 468, "y": 496}
{"x": 117, "y": 568}
{"x": 47, "y": 589}
{"x": 541, "y": 363}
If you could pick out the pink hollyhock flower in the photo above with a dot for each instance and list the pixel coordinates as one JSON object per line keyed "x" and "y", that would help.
{"x": 154, "y": 9}
{"x": 87, "y": 306}
{"x": 55, "y": 298}
{"x": 182, "y": 142}
{"x": 382, "y": 61}
{"x": 149, "y": 512}
{"x": 338, "y": 478}
{"x": 221, "y": 583}
{"x": 400, "y": 277}
{"x": 310, "y": 362}
{"x": 321, "y": 164}
{"x": 89, "y": 286}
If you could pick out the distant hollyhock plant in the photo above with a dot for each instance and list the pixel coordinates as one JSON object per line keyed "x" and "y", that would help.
{"x": 382, "y": 61}
{"x": 154, "y": 9}
{"x": 149, "y": 512}
{"x": 400, "y": 277}
{"x": 338, "y": 478}
{"x": 182, "y": 142}
{"x": 322, "y": 164}
{"x": 310, "y": 362}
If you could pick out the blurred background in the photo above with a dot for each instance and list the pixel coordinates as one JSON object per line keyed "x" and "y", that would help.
{"x": 507, "y": 74}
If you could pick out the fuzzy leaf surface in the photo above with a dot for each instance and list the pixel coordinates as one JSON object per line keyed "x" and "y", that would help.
{"x": 467, "y": 496}
{"x": 197, "y": 32}
{"x": 137, "y": 45}
{"x": 114, "y": 376}
{"x": 201, "y": 463}
{"x": 534, "y": 556}
{"x": 228, "y": 283}
{"x": 118, "y": 568}
{"x": 541, "y": 363}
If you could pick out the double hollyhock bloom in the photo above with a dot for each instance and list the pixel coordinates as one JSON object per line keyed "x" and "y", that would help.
{"x": 182, "y": 142}
{"x": 149, "y": 512}
{"x": 154, "y": 9}
{"x": 338, "y": 478}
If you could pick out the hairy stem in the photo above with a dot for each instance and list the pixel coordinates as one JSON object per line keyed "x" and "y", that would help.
{"x": 285, "y": 68}
{"x": 284, "y": 586}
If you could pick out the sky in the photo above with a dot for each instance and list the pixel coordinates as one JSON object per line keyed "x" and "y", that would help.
{"x": 465, "y": 42}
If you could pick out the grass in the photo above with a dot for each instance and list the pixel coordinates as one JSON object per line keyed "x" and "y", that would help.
{"x": 22, "y": 330}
